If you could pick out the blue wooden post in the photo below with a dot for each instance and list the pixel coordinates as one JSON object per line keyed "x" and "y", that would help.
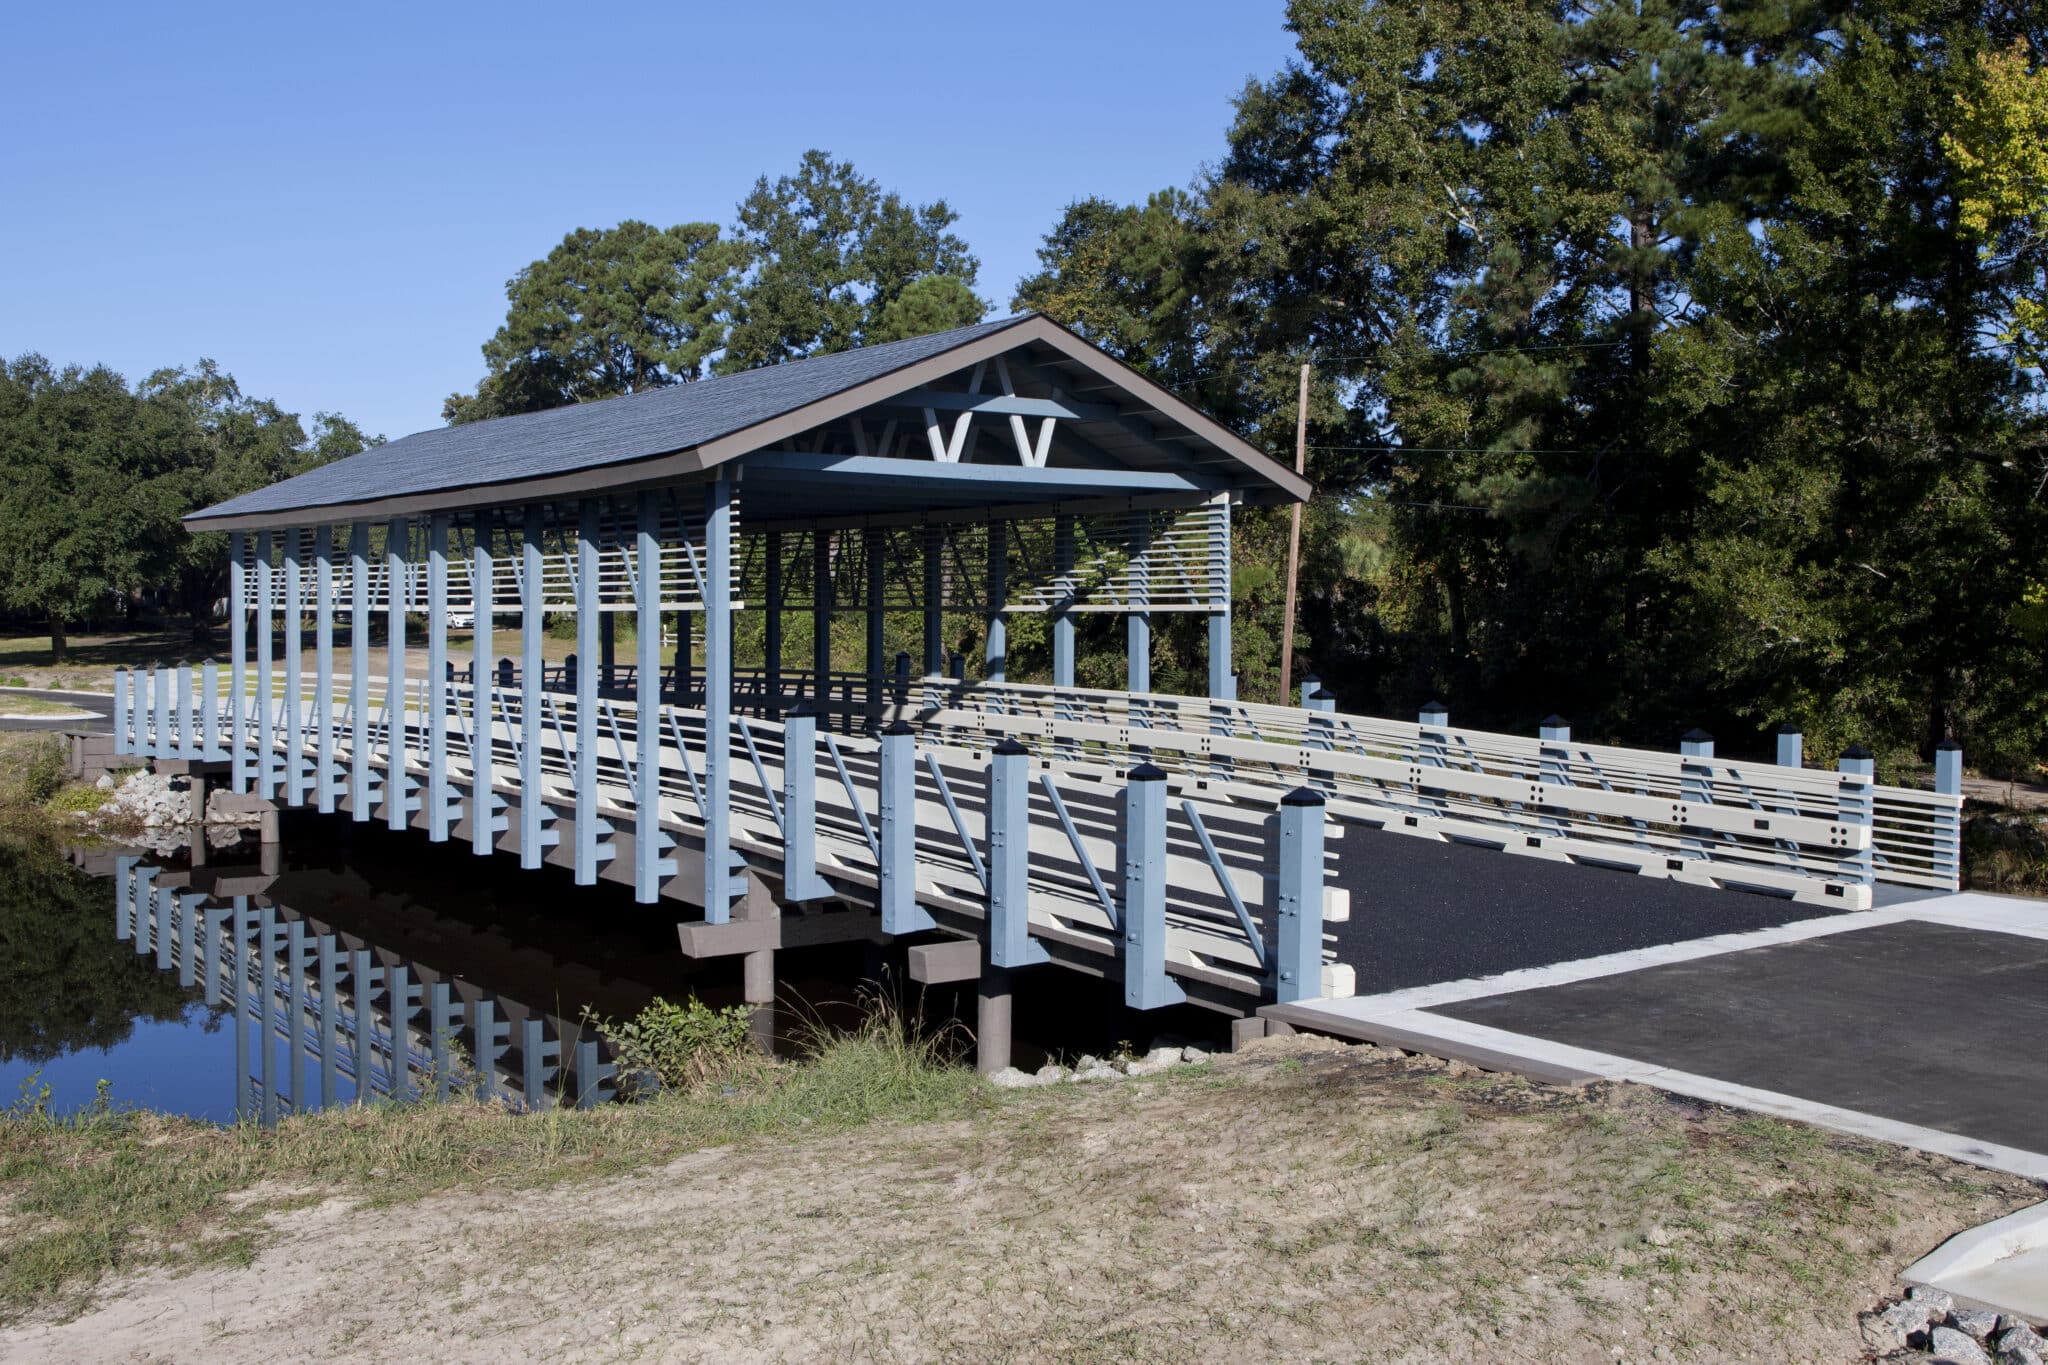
{"x": 444, "y": 1020}
{"x": 124, "y": 717}
{"x": 295, "y": 766}
{"x": 1790, "y": 746}
{"x": 1138, "y": 619}
{"x": 484, "y": 801}
{"x": 1858, "y": 808}
{"x": 1554, "y": 763}
{"x": 934, "y": 600}
{"x": 1310, "y": 685}
{"x": 607, "y": 652}
{"x": 771, "y": 625}
{"x": 650, "y": 869}
{"x": 329, "y": 949}
{"x": 532, "y": 568}
{"x": 240, "y": 776}
{"x": 364, "y": 979}
{"x": 901, "y": 691}
{"x": 209, "y": 711}
{"x": 139, "y": 903}
{"x": 182, "y": 706}
{"x": 1298, "y": 897}
{"x": 295, "y": 1010}
{"x": 440, "y": 798}
{"x": 1222, "y": 678}
{"x": 402, "y": 994}
{"x": 722, "y": 885}
{"x": 1948, "y": 825}
{"x": 539, "y": 1061}
{"x": 245, "y": 925}
{"x": 491, "y": 1034}
{"x": 124, "y": 896}
{"x": 1009, "y": 857}
{"x": 593, "y": 1075}
{"x": 800, "y": 879}
{"x": 166, "y": 733}
{"x": 398, "y": 803}
{"x": 163, "y": 931}
{"x": 212, "y": 930}
{"x": 821, "y": 619}
{"x": 1695, "y": 783}
{"x": 1064, "y": 554}
{"x": 324, "y": 785}
{"x": 998, "y": 654}
{"x": 589, "y": 729}
{"x": 361, "y": 772}
{"x": 901, "y": 914}
{"x": 190, "y": 905}
{"x": 267, "y": 931}
{"x": 1433, "y": 749}
{"x": 957, "y": 666}
{"x": 1146, "y": 984}
{"x": 266, "y": 709}
{"x": 876, "y": 545}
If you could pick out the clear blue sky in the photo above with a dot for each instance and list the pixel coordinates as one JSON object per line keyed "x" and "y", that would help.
{"x": 328, "y": 200}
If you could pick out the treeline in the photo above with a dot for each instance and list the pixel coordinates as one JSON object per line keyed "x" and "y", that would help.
{"x": 94, "y": 477}
{"x": 1674, "y": 364}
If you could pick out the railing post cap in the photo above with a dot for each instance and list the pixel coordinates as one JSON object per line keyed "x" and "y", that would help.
{"x": 1858, "y": 752}
{"x": 1786, "y": 727}
{"x": 1009, "y": 747}
{"x": 1553, "y": 721}
{"x": 1146, "y": 772}
{"x": 1696, "y": 736}
{"x": 1302, "y": 796}
{"x": 898, "y": 728}
{"x": 1948, "y": 746}
{"x": 1323, "y": 694}
{"x": 802, "y": 710}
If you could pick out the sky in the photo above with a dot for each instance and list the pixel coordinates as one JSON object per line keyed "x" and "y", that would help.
{"x": 328, "y": 200}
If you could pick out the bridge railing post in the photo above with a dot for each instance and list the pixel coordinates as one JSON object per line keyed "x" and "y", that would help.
{"x": 1146, "y": 984}
{"x": 1695, "y": 784}
{"x": 1300, "y": 840}
{"x": 800, "y": 879}
{"x": 1948, "y": 824}
{"x": 1433, "y": 748}
{"x": 1858, "y": 768}
{"x": 1009, "y": 857}
{"x": 1553, "y": 762}
{"x": 209, "y": 711}
{"x": 901, "y": 913}
{"x": 124, "y": 740}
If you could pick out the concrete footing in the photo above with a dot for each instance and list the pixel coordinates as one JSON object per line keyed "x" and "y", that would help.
{"x": 992, "y": 1021}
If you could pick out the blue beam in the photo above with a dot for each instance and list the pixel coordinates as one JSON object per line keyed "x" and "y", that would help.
{"x": 998, "y": 655}
{"x": 397, "y": 577}
{"x": 1064, "y": 554}
{"x": 266, "y": 711}
{"x": 650, "y": 869}
{"x": 771, "y": 623}
{"x": 209, "y": 702}
{"x": 294, "y": 670}
{"x": 1002, "y": 405}
{"x": 323, "y": 666}
{"x": 821, "y": 619}
{"x": 721, "y": 885}
{"x": 440, "y": 799}
{"x": 360, "y": 771}
{"x": 484, "y": 801}
{"x": 588, "y": 728}
{"x": 240, "y": 776}
{"x": 530, "y": 805}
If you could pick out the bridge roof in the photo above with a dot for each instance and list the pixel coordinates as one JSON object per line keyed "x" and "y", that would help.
{"x": 1127, "y": 435}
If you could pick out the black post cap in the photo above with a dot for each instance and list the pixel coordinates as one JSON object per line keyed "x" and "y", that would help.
{"x": 1787, "y": 727}
{"x": 1323, "y": 694}
{"x": 1696, "y": 736}
{"x": 1948, "y": 746}
{"x": 899, "y": 727}
{"x": 1010, "y": 748}
{"x": 1857, "y": 750}
{"x": 1145, "y": 772}
{"x": 1302, "y": 796}
{"x": 1554, "y": 721}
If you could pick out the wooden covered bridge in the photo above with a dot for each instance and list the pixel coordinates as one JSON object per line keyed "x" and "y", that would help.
{"x": 1193, "y": 848}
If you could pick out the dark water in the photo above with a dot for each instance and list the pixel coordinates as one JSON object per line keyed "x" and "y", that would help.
{"x": 104, "y": 964}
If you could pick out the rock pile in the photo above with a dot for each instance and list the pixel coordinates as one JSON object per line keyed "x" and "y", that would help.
{"x": 1927, "y": 1325}
{"x": 150, "y": 800}
{"x": 1090, "y": 1068}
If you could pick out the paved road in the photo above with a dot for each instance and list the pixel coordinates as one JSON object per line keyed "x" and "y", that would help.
{"x": 102, "y": 708}
{"x": 1424, "y": 912}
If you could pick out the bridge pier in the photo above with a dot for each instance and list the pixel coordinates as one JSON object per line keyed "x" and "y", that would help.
{"x": 992, "y": 1015}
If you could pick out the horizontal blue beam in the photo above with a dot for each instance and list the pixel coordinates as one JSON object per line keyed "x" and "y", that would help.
{"x": 907, "y": 473}
{"x": 1002, "y": 405}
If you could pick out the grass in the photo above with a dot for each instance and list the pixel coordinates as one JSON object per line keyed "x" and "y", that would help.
{"x": 36, "y": 706}
{"x": 107, "y": 1190}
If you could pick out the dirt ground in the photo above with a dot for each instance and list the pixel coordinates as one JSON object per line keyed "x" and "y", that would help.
{"x": 1305, "y": 1201}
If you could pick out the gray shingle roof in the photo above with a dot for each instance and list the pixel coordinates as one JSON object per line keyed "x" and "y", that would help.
{"x": 587, "y": 435}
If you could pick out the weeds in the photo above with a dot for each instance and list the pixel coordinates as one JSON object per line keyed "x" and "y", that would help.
{"x": 667, "y": 1046}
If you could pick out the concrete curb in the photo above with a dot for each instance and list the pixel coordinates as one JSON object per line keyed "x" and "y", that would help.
{"x": 2001, "y": 1265}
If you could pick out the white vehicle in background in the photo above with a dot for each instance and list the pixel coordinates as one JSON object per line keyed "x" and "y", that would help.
{"x": 461, "y": 620}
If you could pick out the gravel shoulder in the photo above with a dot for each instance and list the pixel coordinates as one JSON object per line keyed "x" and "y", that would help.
{"x": 1302, "y": 1201}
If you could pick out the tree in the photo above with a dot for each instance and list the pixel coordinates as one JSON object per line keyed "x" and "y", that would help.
{"x": 830, "y": 253}
{"x": 609, "y": 311}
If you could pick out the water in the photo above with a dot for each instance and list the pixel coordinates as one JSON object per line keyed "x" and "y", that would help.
{"x": 106, "y": 956}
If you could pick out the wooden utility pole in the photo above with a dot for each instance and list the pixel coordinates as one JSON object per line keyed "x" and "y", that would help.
{"x": 1294, "y": 547}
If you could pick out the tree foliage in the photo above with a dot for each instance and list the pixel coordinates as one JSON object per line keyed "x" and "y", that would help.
{"x": 816, "y": 261}
{"x": 1658, "y": 364}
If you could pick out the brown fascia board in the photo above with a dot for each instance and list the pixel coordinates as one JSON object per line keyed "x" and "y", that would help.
{"x": 682, "y": 464}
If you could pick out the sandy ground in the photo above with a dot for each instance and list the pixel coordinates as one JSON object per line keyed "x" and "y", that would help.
{"x": 1304, "y": 1202}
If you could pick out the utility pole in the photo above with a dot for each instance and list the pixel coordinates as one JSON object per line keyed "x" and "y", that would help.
{"x": 1294, "y": 546}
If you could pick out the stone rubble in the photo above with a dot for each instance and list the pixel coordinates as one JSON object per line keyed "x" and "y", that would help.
{"x": 1927, "y": 1325}
{"x": 1092, "y": 1068}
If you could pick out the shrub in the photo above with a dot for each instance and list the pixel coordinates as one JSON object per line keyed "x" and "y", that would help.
{"x": 670, "y": 1046}
{"x": 73, "y": 800}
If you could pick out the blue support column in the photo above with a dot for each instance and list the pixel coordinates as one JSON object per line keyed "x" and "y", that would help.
{"x": 166, "y": 733}
{"x": 484, "y": 801}
{"x": 213, "y": 930}
{"x": 295, "y": 767}
{"x": 490, "y": 1035}
{"x": 901, "y": 914}
{"x": 440, "y": 797}
{"x": 1948, "y": 825}
{"x": 1791, "y": 746}
{"x": 1064, "y": 554}
{"x": 1298, "y": 897}
{"x": 1138, "y": 621}
{"x": 531, "y": 808}
{"x": 1553, "y": 769}
{"x": 771, "y": 625}
{"x": 1433, "y": 745}
{"x": 1858, "y": 807}
{"x": 539, "y": 1063}
{"x": 241, "y": 775}
{"x": 821, "y": 620}
{"x": 190, "y": 908}
{"x": 589, "y": 730}
{"x": 324, "y": 785}
{"x": 163, "y": 935}
{"x": 124, "y": 716}
{"x": 444, "y": 1022}
{"x": 998, "y": 654}
{"x": 650, "y": 869}
{"x": 402, "y": 993}
{"x": 398, "y": 802}
{"x": 934, "y": 542}
{"x": 722, "y": 883}
{"x": 876, "y": 547}
{"x": 1695, "y": 784}
{"x": 1009, "y": 857}
{"x": 800, "y": 879}
{"x": 1222, "y": 677}
{"x": 295, "y": 1010}
{"x": 266, "y": 708}
{"x": 209, "y": 711}
{"x": 1146, "y": 984}
{"x": 361, "y": 773}
{"x": 181, "y": 705}
{"x": 329, "y": 1025}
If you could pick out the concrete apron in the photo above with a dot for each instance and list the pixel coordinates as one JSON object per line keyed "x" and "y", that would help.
{"x": 2001, "y": 1266}
{"x": 1408, "y": 1019}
